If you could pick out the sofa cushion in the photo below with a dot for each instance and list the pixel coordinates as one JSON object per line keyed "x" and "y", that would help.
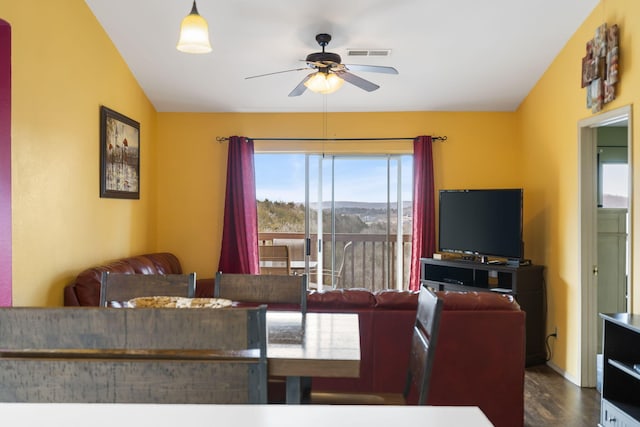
{"x": 340, "y": 299}
{"x": 164, "y": 262}
{"x": 454, "y": 300}
{"x": 391, "y": 299}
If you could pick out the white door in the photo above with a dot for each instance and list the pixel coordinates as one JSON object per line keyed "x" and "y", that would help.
{"x": 612, "y": 265}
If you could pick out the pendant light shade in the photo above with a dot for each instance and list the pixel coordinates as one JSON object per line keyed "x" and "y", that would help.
{"x": 324, "y": 83}
{"x": 194, "y": 33}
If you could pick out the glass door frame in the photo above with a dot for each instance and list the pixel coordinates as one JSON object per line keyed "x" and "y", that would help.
{"x": 320, "y": 244}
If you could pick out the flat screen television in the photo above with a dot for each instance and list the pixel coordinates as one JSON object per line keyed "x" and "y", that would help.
{"x": 485, "y": 222}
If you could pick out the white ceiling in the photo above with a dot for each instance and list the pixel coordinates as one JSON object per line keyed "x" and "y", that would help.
{"x": 451, "y": 55}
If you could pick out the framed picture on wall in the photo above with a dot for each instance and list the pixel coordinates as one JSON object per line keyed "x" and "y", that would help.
{"x": 119, "y": 155}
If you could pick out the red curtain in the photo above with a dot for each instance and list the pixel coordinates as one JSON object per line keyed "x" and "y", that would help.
{"x": 240, "y": 233}
{"x": 5, "y": 164}
{"x": 423, "y": 238}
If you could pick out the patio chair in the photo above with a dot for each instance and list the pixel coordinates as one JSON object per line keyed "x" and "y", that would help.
{"x": 274, "y": 259}
{"x": 327, "y": 273}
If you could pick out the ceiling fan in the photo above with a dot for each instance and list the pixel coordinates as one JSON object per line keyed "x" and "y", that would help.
{"x": 330, "y": 73}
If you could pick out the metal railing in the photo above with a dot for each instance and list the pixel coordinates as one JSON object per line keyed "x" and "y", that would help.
{"x": 369, "y": 262}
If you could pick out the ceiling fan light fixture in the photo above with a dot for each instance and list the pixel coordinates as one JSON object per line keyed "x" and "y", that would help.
{"x": 324, "y": 83}
{"x": 194, "y": 33}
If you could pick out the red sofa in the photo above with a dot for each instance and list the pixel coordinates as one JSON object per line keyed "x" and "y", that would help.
{"x": 480, "y": 354}
{"x": 85, "y": 289}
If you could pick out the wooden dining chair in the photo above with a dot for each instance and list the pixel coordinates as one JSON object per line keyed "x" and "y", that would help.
{"x": 274, "y": 259}
{"x": 263, "y": 289}
{"x": 423, "y": 344}
{"x": 120, "y": 287}
{"x": 137, "y": 355}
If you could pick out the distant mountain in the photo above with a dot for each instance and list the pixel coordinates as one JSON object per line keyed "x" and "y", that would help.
{"x": 352, "y": 217}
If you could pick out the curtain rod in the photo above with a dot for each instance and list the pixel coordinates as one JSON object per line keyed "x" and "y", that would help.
{"x": 433, "y": 138}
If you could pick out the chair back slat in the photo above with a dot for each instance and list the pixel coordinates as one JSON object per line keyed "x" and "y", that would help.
{"x": 122, "y": 287}
{"x": 131, "y": 328}
{"x": 267, "y": 289}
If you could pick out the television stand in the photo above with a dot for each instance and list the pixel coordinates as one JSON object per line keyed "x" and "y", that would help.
{"x": 524, "y": 282}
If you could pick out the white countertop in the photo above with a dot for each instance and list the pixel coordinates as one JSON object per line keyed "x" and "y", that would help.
{"x": 108, "y": 415}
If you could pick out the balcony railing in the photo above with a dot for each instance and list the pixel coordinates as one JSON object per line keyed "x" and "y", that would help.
{"x": 370, "y": 261}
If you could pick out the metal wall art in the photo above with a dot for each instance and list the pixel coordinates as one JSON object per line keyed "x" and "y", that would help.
{"x": 600, "y": 67}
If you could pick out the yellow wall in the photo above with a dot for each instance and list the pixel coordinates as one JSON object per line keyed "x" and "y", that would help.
{"x": 63, "y": 68}
{"x": 549, "y": 132}
{"x": 482, "y": 150}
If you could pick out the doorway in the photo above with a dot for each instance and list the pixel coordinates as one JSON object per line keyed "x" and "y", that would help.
{"x": 591, "y": 167}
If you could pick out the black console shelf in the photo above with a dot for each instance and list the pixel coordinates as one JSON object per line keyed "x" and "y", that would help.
{"x": 525, "y": 283}
{"x": 620, "y": 402}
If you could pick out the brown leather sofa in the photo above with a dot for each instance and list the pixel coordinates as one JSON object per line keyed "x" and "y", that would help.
{"x": 85, "y": 289}
{"x": 480, "y": 354}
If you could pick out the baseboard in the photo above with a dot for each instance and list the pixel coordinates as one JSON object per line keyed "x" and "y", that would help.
{"x": 563, "y": 373}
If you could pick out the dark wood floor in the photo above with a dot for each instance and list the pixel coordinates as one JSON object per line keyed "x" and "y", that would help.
{"x": 550, "y": 400}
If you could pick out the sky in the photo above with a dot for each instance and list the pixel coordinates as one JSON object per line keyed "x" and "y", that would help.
{"x": 616, "y": 179}
{"x": 281, "y": 177}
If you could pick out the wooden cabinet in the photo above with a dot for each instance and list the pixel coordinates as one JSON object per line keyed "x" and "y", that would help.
{"x": 525, "y": 283}
{"x": 621, "y": 371}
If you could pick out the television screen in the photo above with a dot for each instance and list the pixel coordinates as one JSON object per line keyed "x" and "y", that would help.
{"x": 481, "y": 222}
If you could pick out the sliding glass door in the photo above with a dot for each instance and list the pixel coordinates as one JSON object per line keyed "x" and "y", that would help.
{"x": 355, "y": 230}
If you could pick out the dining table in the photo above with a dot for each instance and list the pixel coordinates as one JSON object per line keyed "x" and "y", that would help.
{"x": 300, "y": 346}
{"x": 170, "y": 415}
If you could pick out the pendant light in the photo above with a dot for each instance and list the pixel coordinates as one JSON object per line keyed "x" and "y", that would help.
{"x": 194, "y": 33}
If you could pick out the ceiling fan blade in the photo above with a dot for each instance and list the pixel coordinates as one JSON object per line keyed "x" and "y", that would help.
{"x": 299, "y": 90}
{"x": 277, "y": 72}
{"x": 357, "y": 81}
{"x": 372, "y": 68}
